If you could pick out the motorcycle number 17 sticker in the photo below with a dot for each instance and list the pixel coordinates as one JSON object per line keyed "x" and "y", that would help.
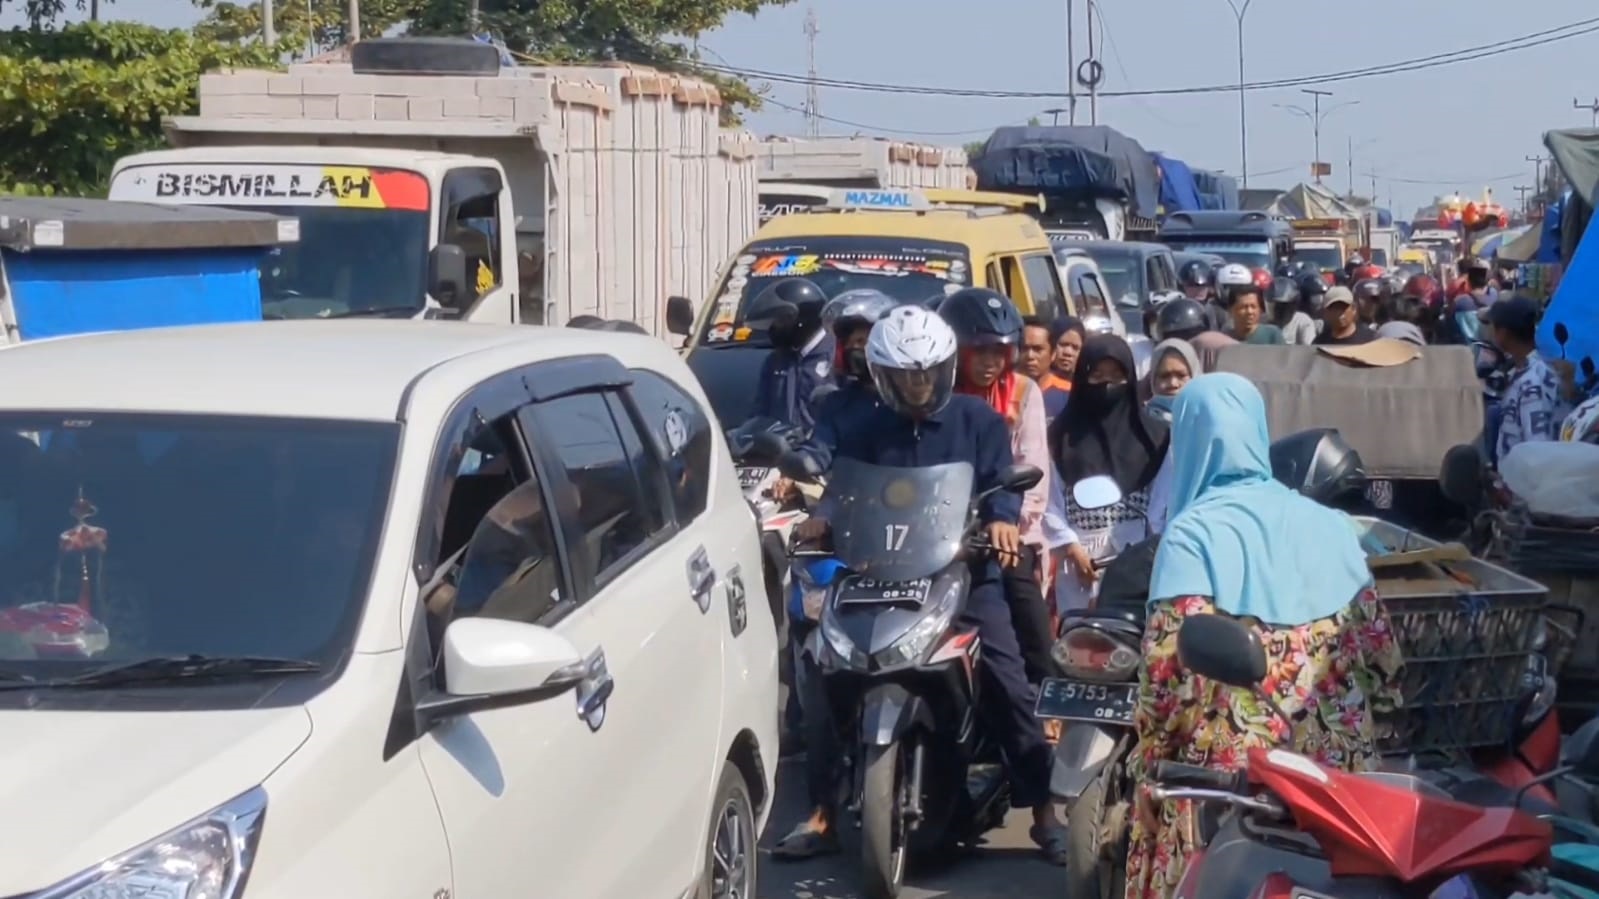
{"x": 894, "y": 536}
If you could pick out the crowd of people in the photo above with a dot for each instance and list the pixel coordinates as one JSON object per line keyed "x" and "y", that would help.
{"x": 967, "y": 378}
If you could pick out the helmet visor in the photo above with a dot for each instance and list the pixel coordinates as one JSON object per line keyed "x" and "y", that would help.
{"x": 917, "y": 393}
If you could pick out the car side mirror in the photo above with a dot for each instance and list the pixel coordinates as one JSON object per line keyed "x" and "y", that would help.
{"x": 1098, "y": 492}
{"x": 493, "y": 663}
{"x": 447, "y": 276}
{"x": 1222, "y": 649}
{"x": 1561, "y": 334}
{"x": 1462, "y": 474}
{"x": 679, "y": 316}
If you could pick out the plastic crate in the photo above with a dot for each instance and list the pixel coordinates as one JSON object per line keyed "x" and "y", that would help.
{"x": 1466, "y": 649}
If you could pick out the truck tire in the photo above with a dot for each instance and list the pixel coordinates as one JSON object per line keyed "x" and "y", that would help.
{"x": 1090, "y": 872}
{"x": 883, "y": 848}
{"x": 730, "y": 856}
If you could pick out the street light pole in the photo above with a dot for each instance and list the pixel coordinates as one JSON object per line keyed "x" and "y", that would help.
{"x": 1239, "y": 11}
{"x": 1315, "y": 125}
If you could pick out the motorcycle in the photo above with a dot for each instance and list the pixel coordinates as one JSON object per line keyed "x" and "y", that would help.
{"x": 898, "y": 667}
{"x": 1292, "y": 827}
{"x": 756, "y": 446}
{"x": 1100, "y": 651}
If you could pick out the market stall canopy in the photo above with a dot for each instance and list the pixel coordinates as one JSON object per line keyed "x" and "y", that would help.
{"x": 1576, "y": 151}
{"x": 1524, "y": 246}
{"x": 1486, "y": 246}
{"x": 1094, "y": 160}
{"x": 1573, "y": 305}
{"x": 1312, "y": 201}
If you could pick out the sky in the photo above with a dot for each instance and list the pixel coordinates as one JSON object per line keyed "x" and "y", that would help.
{"x": 1462, "y": 127}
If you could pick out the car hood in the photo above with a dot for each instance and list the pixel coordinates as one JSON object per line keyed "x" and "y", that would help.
{"x": 84, "y": 786}
{"x": 729, "y": 375}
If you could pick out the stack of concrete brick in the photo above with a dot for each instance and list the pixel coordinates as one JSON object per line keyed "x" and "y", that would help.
{"x": 858, "y": 160}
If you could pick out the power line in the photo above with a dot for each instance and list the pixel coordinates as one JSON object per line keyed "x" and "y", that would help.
{"x": 879, "y": 128}
{"x": 1434, "y": 182}
{"x": 1481, "y": 51}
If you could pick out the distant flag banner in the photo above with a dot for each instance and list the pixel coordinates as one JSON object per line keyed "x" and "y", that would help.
{"x": 246, "y": 184}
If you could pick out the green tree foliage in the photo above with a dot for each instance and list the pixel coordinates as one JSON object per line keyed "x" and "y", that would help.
{"x": 75, "y": 100}
{"x": 323, "y": 23}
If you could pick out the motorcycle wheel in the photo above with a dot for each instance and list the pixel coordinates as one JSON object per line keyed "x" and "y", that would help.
{"x": 1089, "y": 874}
{"x": 882, "y": 823}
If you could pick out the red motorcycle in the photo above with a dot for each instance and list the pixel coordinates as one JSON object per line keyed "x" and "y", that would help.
{"x": 1298, "y": 830}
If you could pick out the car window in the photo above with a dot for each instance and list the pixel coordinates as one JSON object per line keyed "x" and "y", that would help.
{"x": 1015, "y": 284}
{"x": 616, "y": 513}
{"x": 1087, "y": 292}
{"x": 510, "y": 569}
{"x": 682, "y": 433}
{"x": 1043, "y": 283}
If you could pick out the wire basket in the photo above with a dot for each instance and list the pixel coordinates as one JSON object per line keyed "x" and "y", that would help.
{"x": 1467, "y": 646}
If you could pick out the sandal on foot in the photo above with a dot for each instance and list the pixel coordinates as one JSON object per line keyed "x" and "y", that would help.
{"x": 1052, "y": 841}
{"x": 803, "y": 843}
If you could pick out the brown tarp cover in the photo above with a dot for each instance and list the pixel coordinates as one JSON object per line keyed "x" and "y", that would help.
{"x": 1401, "y": 418}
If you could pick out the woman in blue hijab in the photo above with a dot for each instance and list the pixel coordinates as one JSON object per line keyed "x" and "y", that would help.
{"x": 1240, "y": 543}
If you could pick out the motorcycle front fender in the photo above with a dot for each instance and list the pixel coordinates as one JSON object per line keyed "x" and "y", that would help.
{"x": 888, "y": 711}
{"x": 1083, "y": 751}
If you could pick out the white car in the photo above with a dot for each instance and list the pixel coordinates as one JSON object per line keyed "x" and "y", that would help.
{"x": 371, "y": 610}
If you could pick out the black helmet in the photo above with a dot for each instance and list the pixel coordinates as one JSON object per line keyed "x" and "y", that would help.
{"x": 855, "y": 308}
{"x": 1284, "y": 291}
{"x": 1318, "y": 463}
{"x": 1196, "y": 273}
{"x": 790, "y": 310}
{"x": 1312, "y": 290}
{"x": 1181, "y": 317}
{"x": 982, "y": 317}
{"x": 1370, "y": 289}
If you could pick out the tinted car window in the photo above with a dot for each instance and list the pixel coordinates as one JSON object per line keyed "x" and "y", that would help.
{"x": 682, "y": 435}
{"x": 510, "y": 569}
{"x": 1085, "y": 289}
{"x": 1042, "y": 283}
{"x": 173, "y": 535}
{"x": 614, "y": 509}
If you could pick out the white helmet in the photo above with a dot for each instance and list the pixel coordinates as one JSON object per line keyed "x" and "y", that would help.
{"x": 1234, "y": 275}
{"x": 911, "y": 355}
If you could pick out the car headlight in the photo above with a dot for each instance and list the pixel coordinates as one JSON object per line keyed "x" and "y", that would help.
{"x": 910, "y": 648}
{"x": 207, "y": 858}
{"x": 1541, "y": 684}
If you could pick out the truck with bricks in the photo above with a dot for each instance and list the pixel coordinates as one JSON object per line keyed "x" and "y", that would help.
{"x": 433, "y": 180}
{"x": 803, "y": 175}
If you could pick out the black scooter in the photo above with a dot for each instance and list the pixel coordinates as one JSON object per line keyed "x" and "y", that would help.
{"x": 898, "y": 667}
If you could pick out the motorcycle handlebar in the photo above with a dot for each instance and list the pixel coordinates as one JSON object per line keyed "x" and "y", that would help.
{"x": 1177, "y": 774}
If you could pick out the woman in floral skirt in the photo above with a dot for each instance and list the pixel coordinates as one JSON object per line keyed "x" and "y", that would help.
{"x": 1241, "y": 544}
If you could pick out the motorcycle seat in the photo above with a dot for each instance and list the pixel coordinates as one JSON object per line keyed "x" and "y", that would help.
{"x": 1124, "y": 613}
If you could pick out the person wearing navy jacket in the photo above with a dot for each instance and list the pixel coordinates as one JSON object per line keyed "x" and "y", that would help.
{"x": 920, "y": 421}
{"x": 801, "y": 361}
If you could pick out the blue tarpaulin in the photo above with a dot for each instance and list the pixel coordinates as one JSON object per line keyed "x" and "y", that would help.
{"x": 1574, "y": 305}
{"x": 1216, "y": 191}
{"x": 1178, "y": 192}
{"x": 1549, "y": 236}
{"x": 62, "y": 292}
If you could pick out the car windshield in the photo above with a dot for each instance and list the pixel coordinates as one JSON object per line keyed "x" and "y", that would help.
{"x": 906, "y": 269}
{"x": 1254, "y": 254}
{"x": 1326, "y": 257}
{"x": 897, "y": 524}
{"x": 1379, "y": 257}
{"x": 1123, "y": 270}
{"x": 133, "y": 537}
{"x": 347, "y": 260}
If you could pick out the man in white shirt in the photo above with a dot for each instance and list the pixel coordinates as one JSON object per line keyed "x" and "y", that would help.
{"x": 1532, "y": 408}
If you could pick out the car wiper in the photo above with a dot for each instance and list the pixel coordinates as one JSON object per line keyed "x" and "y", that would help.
{"x": 172, "y": 669}
{"x": 378, "y": 312}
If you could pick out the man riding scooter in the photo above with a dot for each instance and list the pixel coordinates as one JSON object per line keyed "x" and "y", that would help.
{"x": 922, "y": 422}
{"x": 802, "y": 351}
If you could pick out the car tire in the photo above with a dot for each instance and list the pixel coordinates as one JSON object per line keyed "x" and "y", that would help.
{"x": 883, "y": 843}
{"x": 730, "y": 848}
{"x": 1090, "y": 874}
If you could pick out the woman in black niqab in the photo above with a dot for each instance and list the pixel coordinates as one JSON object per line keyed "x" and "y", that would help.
{"x": 1105, "y": 429}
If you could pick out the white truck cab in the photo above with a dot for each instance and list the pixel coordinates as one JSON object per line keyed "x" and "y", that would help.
{"x": 383, "y": 232}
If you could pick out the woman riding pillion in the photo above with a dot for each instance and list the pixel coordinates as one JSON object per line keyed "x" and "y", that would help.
{"x": 920, "y": 421}
{"x": 988, "y": 330}
{"x": 1240, "y": 543}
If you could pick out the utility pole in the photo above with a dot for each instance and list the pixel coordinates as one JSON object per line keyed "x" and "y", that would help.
{"x": 1315, "y": 123}
{"x": 1071, "y": 63}
{"x": 1522, "y": 191}
{"x": 1537, "y": 169}
{"x": 269, "y": 25}
{"x": 1239, "y": 11}
{"x": 1093, "y": 89}
{"x": 1591, "y": 107}
{"x": 353, "y": 22}
{"x": 1351, "y": 167}
{"x": 813, "y": 111}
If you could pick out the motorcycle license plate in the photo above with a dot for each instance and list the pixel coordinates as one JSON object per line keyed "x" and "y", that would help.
{"x": 869, "y": 590}
{"x": 750, "y": 478}
{"x": 1075, "y": 700}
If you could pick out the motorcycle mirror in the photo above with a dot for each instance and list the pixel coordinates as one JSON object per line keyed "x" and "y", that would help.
{"x": 798, "y": 466}
{"x": 1460, "y": 477}
{"x": 1098, "y": 492}
{"x": 1587, "y": 366}
{"x": 1222, "y": 649}
{"x": 1019, "y": 478}
{"x": 1561, "y": 334}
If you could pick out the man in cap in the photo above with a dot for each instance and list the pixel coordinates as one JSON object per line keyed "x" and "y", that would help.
{"x": 1341, "y": 324}
{"x": 1532, "y": 408}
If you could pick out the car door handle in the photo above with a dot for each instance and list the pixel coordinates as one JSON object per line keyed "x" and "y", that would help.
{"x": 701, "y": 578}
{"x": 594, "y": 690}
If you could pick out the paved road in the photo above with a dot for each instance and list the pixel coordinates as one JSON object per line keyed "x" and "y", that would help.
{"x": 1008, "y": 867}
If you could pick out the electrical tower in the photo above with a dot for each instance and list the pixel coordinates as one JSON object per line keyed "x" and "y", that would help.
{"x": 1590, "y": 107}
{"x": 813, "y": 112}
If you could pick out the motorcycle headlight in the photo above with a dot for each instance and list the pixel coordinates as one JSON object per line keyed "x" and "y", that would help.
{"x": 844, "y": 650}
{"x": 910, "y": 648}
{"x": 207, "y": 858}
{"x": 1541, "y": 684}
